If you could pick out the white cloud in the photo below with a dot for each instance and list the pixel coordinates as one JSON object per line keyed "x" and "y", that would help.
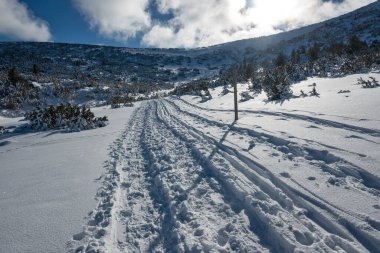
{"x": 200, "y": 23}
{"x": 119, "y": 19}
{"x": 17, "y": 21}
{"x": 195, "y": 23}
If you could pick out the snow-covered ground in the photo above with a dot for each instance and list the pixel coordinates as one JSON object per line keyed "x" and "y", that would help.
{"x": 48, "y": 181}
{"x": 297, "y": 176}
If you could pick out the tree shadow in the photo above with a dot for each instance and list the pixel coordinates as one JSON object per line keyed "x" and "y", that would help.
{"x": 14, "y": 131}
{"x": 221, "y": 140}
{"x": 281, "y": 100}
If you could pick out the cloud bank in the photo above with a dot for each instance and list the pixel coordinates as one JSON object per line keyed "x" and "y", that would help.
{"x": 194, "y": 23}
{"x": 120, "y": 19}
{"x": 17, "y": 21}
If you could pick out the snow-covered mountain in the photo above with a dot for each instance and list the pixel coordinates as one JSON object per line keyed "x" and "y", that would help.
{"x": 160, "y": 66}
{"x": 298, "y": 173}
{"x": 363, "y": 22}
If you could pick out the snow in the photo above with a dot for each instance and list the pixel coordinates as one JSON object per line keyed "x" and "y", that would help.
{"x": 48, "y": 181}
{"x": 358, "y": 103}
{"x": 184, "y": 177}
{"x": 298, "y": 175}
{"x": 36, "y": 85}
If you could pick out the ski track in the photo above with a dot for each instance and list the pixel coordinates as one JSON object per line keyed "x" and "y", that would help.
{"x": 324, "y": 205}
{"x": 172, "y": 186}
{"x": 315, "y": 120}
{"x": 327, "y": 161}
{"x": 320, "y": 156}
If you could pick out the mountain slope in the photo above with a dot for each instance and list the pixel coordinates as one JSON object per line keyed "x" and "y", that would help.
{"x": 178, "y": 65}
{"x": 364, "y": 23}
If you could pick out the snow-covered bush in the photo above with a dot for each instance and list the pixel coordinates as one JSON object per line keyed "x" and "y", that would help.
{"x": 195, "y": 87}
{"x": 205, "y": 95}
{"x": 64, "y": 117}
{"x": 225, "y": 91}
{"x": 245, "y": 96}
{"x": 16, "y": 92}
{"x": 276, "y": 84}
{"x": 372, "y": 83}
{"x": 302, "y": 94}
{"x": 314, "y": 92}
{"x": 119, "y": 101}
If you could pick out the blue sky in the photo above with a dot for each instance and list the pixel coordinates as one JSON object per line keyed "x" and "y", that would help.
{"x": 160, "y": 23}
{"x": 67, "y": 25}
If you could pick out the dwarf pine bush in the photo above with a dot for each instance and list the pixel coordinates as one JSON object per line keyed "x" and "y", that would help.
{"x": 276, "y": 84}
{"x": 371, "y": 83}
{"x": 68, "y": 116}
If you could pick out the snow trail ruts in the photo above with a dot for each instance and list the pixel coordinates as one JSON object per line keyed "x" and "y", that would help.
{"x": 318, "y": 121}
{"x": 264, "y": 212}
{"x": 162, "y": 199}
{"x": 136, "y": 220}
{"x": 328, "y": 162}
{"x": 171, "y": 187}
{"x": 363, "y": 235}
{"x": 126, "y": 218}
{"x": 199, "y": 217}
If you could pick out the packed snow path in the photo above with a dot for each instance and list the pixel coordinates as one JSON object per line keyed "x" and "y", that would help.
{"x": 179, "y": 180}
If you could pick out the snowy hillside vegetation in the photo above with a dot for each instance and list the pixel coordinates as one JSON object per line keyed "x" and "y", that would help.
{"x": 299, "y": 175}
{"x": 43, "y": 74}
{"x": 64, "y": 116}
{"x": 297, "y": 172}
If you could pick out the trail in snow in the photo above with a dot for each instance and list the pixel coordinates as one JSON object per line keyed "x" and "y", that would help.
{"x": 180, "y": 181}
{"x": 163, "y": 198}
{"x": 294, "y": 116}
{"x": 320, "y": 154}
{"x": 308, "y": 205}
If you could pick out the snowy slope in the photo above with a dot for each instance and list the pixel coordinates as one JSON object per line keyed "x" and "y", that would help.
{"x": 48, "y": 181}
{"x": 177, "y": 174}
{"x": 301, "y": 176}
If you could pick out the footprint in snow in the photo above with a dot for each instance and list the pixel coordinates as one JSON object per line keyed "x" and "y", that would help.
{"x": 199, "y": 232}
{"x": 251, "y": 145}
{"x": 79, "y": 236}
{"x": 305, "y": 238}
{"x": 283, "y": 149}
{"x": 336, "y": 181}
{"x": 222, "y": 237}
{"x": 285, "y": 174}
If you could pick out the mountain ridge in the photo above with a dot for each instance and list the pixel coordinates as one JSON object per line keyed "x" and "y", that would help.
{"x": 178, "y": 65}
